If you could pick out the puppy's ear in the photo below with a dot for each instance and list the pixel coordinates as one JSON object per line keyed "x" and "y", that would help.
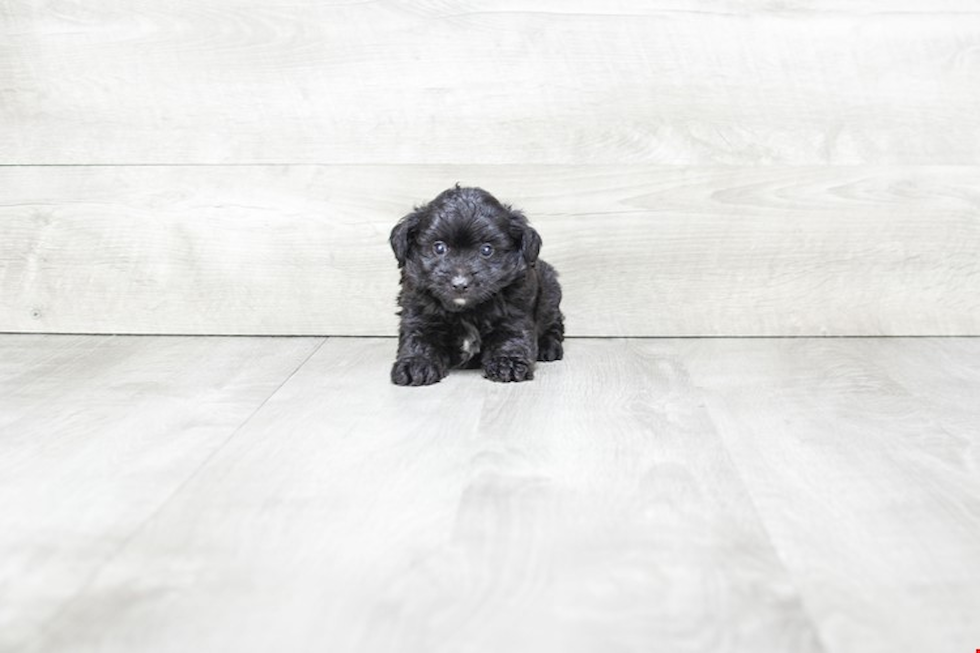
{"x": 530, "y": 245}
{"x": 403, "y": 234}
{"x": 525, "y": 233}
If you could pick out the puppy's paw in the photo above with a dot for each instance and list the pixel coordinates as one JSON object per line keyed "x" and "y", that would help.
{"x": 416, "y": 370}
{"x": 550, "y": 349}
{"x": 506, "y": 369}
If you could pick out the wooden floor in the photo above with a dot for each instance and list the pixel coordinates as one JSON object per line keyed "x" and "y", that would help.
{"x": 279, "y": 494}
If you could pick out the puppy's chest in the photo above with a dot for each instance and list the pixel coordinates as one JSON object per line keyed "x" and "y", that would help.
{"x": 465, "y": 343}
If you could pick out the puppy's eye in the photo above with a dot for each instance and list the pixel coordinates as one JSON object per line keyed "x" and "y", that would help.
{"x": 487, "y": 250}
{"x": 440, "y": 248}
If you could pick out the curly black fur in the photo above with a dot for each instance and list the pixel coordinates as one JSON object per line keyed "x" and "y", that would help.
{"x": 473, "y": 291}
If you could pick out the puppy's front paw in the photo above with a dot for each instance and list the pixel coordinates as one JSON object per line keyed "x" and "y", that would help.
{"x": 506, "y": 369}
{"x": 550, "y": 349}
{"x": 416, "y": 370}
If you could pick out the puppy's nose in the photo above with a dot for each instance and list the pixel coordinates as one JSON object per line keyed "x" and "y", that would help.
{"x": 460, "y": 283}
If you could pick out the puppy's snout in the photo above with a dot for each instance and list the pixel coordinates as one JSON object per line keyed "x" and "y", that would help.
{"x": 460, "y": 282}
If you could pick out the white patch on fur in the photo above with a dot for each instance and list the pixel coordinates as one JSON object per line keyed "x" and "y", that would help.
{"x": 460, "y": 301}
{"x": 469, "y": 343}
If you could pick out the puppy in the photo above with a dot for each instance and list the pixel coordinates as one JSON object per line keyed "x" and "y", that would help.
{"x": 473, "y": 291}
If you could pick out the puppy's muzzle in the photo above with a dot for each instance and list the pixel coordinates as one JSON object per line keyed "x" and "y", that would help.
{"x": 460, "y": 283}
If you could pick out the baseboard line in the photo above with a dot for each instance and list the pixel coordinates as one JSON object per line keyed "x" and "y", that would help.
{"x": 385, "y": 337}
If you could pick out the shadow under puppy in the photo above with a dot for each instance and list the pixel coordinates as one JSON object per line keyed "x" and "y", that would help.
{"x": 473, "y": 291}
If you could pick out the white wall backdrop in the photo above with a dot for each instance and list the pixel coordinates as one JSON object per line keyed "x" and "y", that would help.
{"x": 695, "y": 167}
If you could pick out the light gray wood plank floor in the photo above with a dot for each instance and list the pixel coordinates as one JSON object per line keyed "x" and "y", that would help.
{"x": 254, "y": 494}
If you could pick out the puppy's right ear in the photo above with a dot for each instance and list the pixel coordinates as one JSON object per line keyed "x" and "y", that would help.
{"x": 403, "y": 234}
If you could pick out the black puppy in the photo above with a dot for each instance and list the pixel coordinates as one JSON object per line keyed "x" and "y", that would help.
{"x": 473, "y": 291}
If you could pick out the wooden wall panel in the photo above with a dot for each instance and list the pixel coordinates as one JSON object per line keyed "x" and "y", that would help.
{"x": 642, "y": 250}
{"x": 697, "y": 168}
{"x": 490, "y": 82}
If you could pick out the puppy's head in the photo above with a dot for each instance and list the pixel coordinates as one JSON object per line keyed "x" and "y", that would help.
{"x": 464, "y": 246}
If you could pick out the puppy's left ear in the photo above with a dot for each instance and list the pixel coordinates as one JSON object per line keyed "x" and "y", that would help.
{"x": 529, "y": 238}
{"x": 403, "y": 234}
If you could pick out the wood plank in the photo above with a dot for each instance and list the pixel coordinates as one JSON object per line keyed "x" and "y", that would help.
{"x": 500, "y": 82}
{"x": 96, "y": 433}
{"x": 642, "y": 250}
{"x": 353, "y": 515}
{"x": 861, "y": 458}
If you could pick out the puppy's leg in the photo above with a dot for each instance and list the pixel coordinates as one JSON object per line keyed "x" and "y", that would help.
{"x": 549, "y": 344}
{"x": 418, "y": 369}
{"x": 509, "y": 354}
{"x": 551, "y": 323}
{"x": 420, "y": 361}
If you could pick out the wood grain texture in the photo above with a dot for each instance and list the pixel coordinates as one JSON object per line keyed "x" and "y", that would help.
{"x": 500, "y": 82}
{"x": 861, "y": 457}
{"x": 594, "y": 509}
{"x": 96, "y": 434}
{"x": 681, "y": 495}
{"x": 642, "y": 250}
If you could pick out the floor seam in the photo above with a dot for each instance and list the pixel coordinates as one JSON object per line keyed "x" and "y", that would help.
{"x": 791, "y": 577}
{"x": 124, "y": 544}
